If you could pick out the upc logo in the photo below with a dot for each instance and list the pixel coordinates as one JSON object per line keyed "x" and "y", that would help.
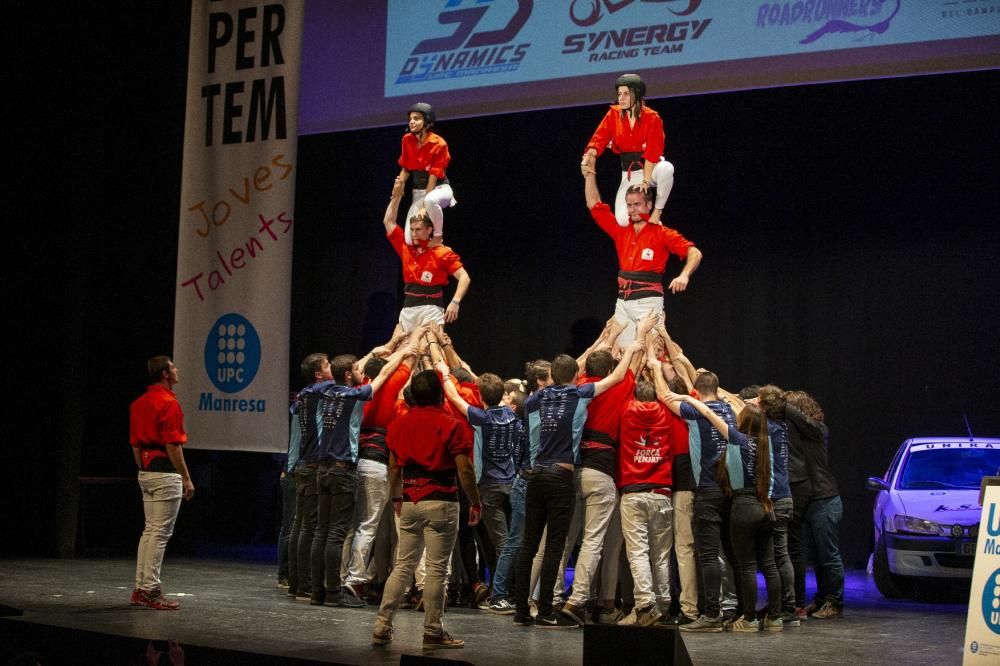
{"x": 991, "y": 602}
{"x": 232, "y": 353}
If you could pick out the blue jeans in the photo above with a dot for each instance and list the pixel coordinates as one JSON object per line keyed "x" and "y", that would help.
{"x": 822, "y": 523}
{"x": 515, "y": 535}
{"x": 287, "y": 482}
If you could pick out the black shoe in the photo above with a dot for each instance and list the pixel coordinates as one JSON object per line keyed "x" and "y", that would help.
{"x": 317, "y": 598}
{"x": 682, "y": 620}
{"x": 344, "y": 599}
{"x": 555, "y": 621}
{"x": 523, "y": 620}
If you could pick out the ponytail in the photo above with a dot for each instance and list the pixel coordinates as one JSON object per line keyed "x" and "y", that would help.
{"x": 763, "y": 464}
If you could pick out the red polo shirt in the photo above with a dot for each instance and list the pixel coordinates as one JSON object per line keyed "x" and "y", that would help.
{"x": 425, "y": 442}
{"x": 426, "y": 266}
{"x": 604, "y": 415}
{"x": 645, "y": 137}
{"x": 432, "y": 157}
{"x": 155, "y": 420}
{"x": 646, "y": 251}
{"x": 379, "y": 412}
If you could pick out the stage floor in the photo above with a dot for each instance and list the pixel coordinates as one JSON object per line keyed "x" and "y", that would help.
{"x": 236, "y": 606}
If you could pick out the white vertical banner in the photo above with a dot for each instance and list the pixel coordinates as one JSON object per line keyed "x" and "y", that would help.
{"x": 982, "y": 624}
{"x": 234, "y": 260}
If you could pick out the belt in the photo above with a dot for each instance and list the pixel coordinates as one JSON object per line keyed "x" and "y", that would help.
{"x": 633, "y": 285}
{"x": 420, "y": 179}
{"x": 339, "y": 464}
{"x": 422, "y": 294}
{"x": 632, "y": 161}
{"x": 599, "y": 437}
{"x": 155, "y": 447}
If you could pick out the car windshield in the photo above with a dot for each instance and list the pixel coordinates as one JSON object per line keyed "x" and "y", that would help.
{"x": 948, "y": 468}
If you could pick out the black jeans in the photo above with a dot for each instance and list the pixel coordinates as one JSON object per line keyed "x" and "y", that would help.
{"x": 338, "y": 492}
{"x": 801, "y": 495}
{"x": 783, "y": 509}
{"x": 752, "y": 531}
{"x": 287, "y": 484}
{"x": 303, "y": 529}
{"x": 711, "y": 534}
{"x": 550, "y": 501}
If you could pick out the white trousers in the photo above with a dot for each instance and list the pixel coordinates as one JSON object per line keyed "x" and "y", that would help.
{"x": 663, "y": 179}
{"x": 415, "y": 315}
{"x": 161, "y": 502}
{"x": 646, "y": 525}
{"x": 440, "y": 197}
{"x": 630, "y": 313}
{"x": 372, "y": 499}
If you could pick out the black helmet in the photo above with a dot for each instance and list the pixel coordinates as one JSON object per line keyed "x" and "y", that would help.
{"x": 634, "y": 83}
{"x": 424, "y": 109}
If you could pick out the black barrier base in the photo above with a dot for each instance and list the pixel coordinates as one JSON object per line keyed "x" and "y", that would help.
{"x": 421, "y": 660}
{"x": 10, "y": 611}
{"x": 28, "y": 643}
{"x": 605, "y": 644}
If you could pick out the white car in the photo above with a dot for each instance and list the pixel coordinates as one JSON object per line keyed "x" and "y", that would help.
{"x": 927, "y": 510}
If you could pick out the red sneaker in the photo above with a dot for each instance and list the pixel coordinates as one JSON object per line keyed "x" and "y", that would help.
{"x": 136, "y": 599}
{"x": 156, "y": 601}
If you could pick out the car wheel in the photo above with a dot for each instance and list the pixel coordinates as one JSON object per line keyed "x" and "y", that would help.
{"x": 888, "y": 583}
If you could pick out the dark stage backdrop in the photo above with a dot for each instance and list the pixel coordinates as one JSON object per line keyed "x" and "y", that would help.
{"x": 849, "y": 233}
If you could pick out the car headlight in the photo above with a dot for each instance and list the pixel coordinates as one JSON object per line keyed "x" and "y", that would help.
{"x": 916, "y": 525}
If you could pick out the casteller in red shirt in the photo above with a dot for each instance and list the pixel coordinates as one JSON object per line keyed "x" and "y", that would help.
{"x": 645, "y": 454}
{"x": 155, "y": 420}
{"x": 646, "y": 136}
{"x": 425, "y": 442}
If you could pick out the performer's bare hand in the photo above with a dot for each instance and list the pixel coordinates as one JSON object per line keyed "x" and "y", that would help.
{"x": 451, "y": 314}
{"x": 678, "y": 284}
{"x": 397, "y": 189}
{"x": 188, "y": 490}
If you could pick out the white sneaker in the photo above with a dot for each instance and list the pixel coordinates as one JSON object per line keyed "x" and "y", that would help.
{"x": 628, "y": 619}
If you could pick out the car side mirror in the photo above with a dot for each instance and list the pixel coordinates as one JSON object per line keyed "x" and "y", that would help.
{"x": 876, "y": 484}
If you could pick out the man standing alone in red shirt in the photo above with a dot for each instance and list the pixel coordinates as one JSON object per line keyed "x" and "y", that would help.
{"x": 156, "y": 425}
{"x": 429, "y": 456}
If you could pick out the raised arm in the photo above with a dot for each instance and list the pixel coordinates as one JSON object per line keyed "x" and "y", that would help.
{"x": 709, "y": 415}
{"x": 590, "y": 192}
{"x": 659, "y": 381}
{"x": 399, "y": 184}
{"x": 619, "y": 372}
{"x": 409, "y": 349}
{"x": 392, "y": 211}
{"x": 603, "y": 341}
{"x": 450, "y": 391}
